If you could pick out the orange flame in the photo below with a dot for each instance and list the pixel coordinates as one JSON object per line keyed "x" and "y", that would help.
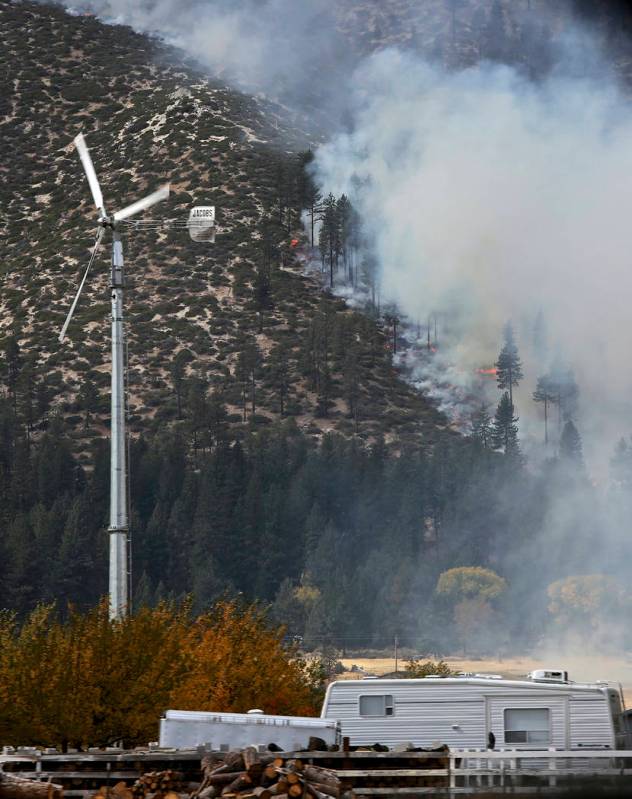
{"x": 294, "y": 243}
{"x": 491, "y": 371}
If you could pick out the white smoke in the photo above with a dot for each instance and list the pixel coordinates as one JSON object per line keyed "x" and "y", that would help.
{"x": 280, "y": 47}
{"x": 489, "y": 198}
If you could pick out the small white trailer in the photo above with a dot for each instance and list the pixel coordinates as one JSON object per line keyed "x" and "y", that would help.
{"x": 189, "y": 729}
{"x": 544, "y": 711}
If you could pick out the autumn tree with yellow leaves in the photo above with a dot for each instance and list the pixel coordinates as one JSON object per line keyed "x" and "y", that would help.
{"x": 88, "y": 681}
{"x": 594, "y": 607}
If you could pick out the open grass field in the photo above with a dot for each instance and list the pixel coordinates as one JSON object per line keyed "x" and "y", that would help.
{"x": 580, "y": 668}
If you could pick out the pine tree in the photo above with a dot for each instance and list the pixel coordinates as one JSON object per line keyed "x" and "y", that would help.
{"x": 197, "y": 412}
{"x": 571, "y": 445}
{"x": 178, "y": 372}
{"x": 269, "y": 251}
{"x": 26, "y": 391}
{"x": 88, "y": 399}
{"x": 351, "y": 382}
{"x": 329, "y": 237}
{"x": 508, "y": 366}
{"x": 14, "y": 362}
{"x": 481, "y": 426}
{"x": 539, "y": 335}
{"x": 505, "y": 433}
{"x": 545, "y": 393}
{"x": 343, "y": 229}
{"x": 621, "y": 464}
{"x": 308, "y": 195}
{"x": 279, "y": 374}
{"x": 249, "y": 362}
{"x": 495, "y": 34}
{"x": 454, "y": 7}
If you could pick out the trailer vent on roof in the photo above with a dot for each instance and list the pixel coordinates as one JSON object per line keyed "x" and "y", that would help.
{"x": 548, "y": 675}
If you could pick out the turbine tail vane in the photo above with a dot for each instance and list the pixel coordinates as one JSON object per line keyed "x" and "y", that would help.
{"x": 140, "y": 205}
{"x": 86, "y": 160}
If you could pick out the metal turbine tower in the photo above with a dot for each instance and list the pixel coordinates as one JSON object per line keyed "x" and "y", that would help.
{"x": 119, "y": 523}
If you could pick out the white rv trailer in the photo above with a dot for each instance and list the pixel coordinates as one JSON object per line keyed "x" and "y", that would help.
{"x": 536, "y": 713}
{"x": 188, "y": 729}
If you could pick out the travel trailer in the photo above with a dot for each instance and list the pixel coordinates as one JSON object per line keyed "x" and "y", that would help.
{"x": 479, "y": 711}
{"x": 188, "y": 729}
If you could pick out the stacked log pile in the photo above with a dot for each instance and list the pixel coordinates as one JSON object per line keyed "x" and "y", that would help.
{"x": 151, "y": 785}
{"x": 13, "y": 787}
{"x": 250, "y": 775}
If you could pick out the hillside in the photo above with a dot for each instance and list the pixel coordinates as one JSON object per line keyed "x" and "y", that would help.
{"x": 192, "y": 308}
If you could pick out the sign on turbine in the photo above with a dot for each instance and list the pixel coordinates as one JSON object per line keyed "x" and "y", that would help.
{"x": 201, "y": 223}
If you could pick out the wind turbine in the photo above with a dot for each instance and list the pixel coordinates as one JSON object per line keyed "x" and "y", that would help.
{"x": 119, "y": 522}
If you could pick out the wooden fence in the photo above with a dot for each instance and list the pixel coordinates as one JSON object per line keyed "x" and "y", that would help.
{"x": 364, "y": 773}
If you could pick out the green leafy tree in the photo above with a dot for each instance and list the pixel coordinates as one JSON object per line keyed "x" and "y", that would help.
{"x": 417, "y": 667}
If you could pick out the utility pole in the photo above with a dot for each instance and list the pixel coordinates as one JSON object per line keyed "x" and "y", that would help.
{"x": 396, "y": 653}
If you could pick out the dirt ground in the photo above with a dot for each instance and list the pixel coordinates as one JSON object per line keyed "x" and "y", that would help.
{"x": 580, "y": 668}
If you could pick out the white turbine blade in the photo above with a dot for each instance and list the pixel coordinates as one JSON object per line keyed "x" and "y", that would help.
{"x": 62, "y": 335}
{"x": 155, "y": 197}
{"x": 84, "y": 154}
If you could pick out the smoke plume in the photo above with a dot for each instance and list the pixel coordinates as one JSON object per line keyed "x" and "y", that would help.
{"x": 488, "y": 197}
{"x": 280, "y": 47}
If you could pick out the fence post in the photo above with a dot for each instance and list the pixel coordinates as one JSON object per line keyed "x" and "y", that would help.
{"x": 552, "y": 767}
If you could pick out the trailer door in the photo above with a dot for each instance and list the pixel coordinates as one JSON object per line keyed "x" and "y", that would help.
{"x": 528, "y": 722}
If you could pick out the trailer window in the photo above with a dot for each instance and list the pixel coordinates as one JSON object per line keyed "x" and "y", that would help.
{"x": 381, "y": 705}
{"x": 527, "y": 725}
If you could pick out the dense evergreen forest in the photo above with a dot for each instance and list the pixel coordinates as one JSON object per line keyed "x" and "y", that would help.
{"x": 346, "y": 541}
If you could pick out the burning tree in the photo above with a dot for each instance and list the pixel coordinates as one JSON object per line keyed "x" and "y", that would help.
{"x": 508, "y": 365}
